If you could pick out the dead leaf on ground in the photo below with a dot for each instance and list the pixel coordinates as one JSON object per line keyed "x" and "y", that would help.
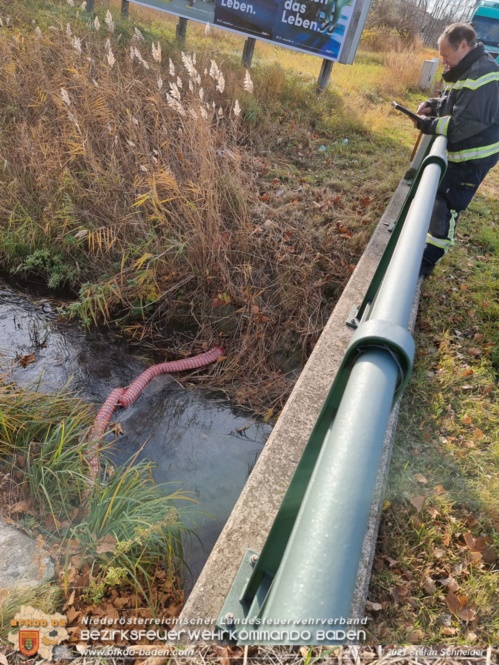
{"x": 373, "y": 607}
{"x": 224, "y": 654}
{"x": 429, "y": 585}
{"x": 489, "y": 555}
{"x": 455, "y": 603}
{"x": 21, "y": 507}
{"x": 72, "y": 614}
{"x": 420, "y": 478}
{"x": 417, "y": 501}
{"x": 450, "y": 583}
{"x": 415, "y": 636}
{"x": 399, "y": 593}
{"x": 106, "y": 544}
{"x": 479, "y": 544}
{"x": 433, "y": 512}
{"x": 70, "y": 601}
{"x": 467, "y": 614}
{"x": 449, "y": 631}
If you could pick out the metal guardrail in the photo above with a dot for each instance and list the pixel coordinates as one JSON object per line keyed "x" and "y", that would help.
{"x": 300, "y": 588}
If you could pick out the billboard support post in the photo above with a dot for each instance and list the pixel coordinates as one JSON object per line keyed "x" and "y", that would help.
{"x": 90, "y": 6}
{"x": 248, "y": 51}
{"x": 181, "y": 30}
{"x": 325, "y": 73}
{"x": 125, "y": 4}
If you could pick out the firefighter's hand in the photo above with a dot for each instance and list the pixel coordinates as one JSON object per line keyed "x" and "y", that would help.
{"x": 424, "y": 109}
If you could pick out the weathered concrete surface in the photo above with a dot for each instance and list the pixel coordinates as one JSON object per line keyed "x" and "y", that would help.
{"x": 254, "y": 513}
{"x": 22, "y": 562}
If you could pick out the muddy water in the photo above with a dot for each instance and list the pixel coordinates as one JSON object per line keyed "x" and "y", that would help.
{"x": 198, "y": 442}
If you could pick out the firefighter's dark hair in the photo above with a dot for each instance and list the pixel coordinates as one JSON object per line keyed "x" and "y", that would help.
{"x": 458, "y": 32}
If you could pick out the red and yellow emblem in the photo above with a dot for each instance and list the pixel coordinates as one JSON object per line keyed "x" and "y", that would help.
{"x": 29, "y": 642}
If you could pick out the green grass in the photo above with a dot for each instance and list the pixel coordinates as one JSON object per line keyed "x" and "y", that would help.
{"x": 125, "y": 523}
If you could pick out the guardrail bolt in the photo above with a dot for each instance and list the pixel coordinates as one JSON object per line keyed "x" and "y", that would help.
{"x": 253, "y": 559}
{"x": 229, "y": 619}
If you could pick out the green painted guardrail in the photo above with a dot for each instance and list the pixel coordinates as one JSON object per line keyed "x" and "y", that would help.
{"x": 299, "y": 589}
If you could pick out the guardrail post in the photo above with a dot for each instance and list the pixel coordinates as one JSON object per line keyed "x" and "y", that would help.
{"x": 125, "y": 6}
{"x": 90, "y": 6}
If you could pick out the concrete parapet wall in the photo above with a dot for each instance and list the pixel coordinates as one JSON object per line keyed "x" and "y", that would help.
{"x": 255, "y": 511}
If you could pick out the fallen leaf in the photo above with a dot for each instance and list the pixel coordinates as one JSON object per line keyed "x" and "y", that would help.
{"x": 399, "y": 592}
{"x": 416, "y": 522}
{"x": 374, "y": 607}
{"x": 476, "y": 557}
{"x": 365, "y": 201}
{"x": 478, "y": 337}
{"x": 71, "y": 598}
{"x": 420, "y": 478}
{"x": 449, "y": 631}
{"x": 466, "y": 420}
{"x": 415, "y": 637}
{"x": 386, "y": 504}
{"x": 117, "y": 428}
{"x": 417, "y": 501}
{"x": 450, "y": 583}
{"x": 467, "y": 614}
{"x": 72, "y": 614}
{"x": 479, "y": 544}
{"x": 453, "y": 603}
{"x": 429, "y": 585}
{"x": 106, "y": 544}
{"x": 224, "y": 655}
{"x": 463, "y": 287}
{"x": 433, "y": 512}
{"x": 21, "y": 507}
{"x": 474, "y": 352}
{"x": 489, "y": 555}
{"x": 24, "y": 361}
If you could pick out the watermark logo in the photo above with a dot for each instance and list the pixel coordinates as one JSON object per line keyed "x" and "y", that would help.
{"x": 29, "y": 642}
{"x": 38, "y": 633}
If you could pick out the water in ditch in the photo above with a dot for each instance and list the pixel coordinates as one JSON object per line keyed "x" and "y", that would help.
{"x": 196, "y": 440}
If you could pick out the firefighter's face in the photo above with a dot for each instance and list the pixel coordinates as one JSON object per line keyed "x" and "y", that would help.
{"x": 451, "y": 56}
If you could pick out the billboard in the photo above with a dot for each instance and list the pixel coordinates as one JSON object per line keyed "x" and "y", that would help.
{"x": 326, "y": 28}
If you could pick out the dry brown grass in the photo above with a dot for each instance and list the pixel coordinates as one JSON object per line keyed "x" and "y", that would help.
{"x": 185, "y": 223}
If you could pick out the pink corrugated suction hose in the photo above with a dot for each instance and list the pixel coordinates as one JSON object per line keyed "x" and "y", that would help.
{"x": 124, "y": 397}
